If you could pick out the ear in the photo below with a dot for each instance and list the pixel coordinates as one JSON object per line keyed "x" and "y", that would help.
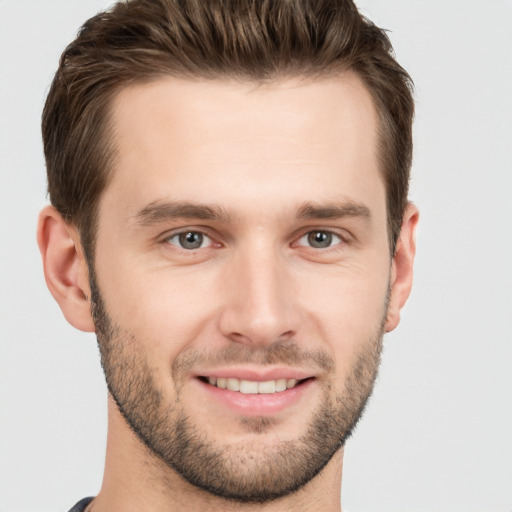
{"x": 65, "y": 268}
{"x": 402, "y": 267}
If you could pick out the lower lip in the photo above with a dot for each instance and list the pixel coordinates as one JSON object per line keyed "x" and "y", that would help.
{"x": 257, "y": 404}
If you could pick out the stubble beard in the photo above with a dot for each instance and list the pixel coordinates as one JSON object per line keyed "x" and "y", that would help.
{"x": 248, "y": 472}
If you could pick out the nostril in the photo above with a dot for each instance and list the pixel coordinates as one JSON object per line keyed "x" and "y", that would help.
{"x": 239, "y": 338}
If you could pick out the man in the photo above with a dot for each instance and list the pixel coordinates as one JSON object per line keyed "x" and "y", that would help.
{"x": 229, "y": 214}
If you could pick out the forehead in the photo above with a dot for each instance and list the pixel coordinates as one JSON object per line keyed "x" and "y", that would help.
{"x": 193, "y": 140}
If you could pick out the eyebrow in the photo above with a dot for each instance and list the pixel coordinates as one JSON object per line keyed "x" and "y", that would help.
{"x": 163, "y": 211}
{"x": 157, "y": 212}
{"x": 311, "y": 211}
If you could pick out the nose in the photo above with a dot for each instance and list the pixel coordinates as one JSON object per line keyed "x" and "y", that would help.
{"x": 260, "y": 305}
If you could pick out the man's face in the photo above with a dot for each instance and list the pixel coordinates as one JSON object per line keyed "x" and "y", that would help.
{"x": 242, "y": 242}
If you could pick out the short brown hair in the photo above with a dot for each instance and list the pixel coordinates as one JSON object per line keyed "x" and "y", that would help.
{"x": 138, "y": 41}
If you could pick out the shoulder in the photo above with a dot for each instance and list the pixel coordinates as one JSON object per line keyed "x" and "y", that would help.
{"x": 80, "y": 506}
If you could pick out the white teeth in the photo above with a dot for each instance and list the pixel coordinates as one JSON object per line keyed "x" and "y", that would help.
{"x": 248, "y": 386}
{"x": 267, "y": 387}
{"x": 253, "y": 387}
{"x": 291, "y": 383}
{"x": 233, "y": 384}
{"x": 280, "y": 385}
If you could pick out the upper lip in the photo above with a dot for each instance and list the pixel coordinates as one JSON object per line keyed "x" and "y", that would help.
{"x": 257, "y": 374}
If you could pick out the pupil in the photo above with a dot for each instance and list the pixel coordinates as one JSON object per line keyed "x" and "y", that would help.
{"x": 320, "y": 239}
{"x": 191, "y": 240}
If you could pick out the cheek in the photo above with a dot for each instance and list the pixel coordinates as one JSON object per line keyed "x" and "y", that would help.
{"x": 164, "y": 310}
{"x": 346, "y": 310}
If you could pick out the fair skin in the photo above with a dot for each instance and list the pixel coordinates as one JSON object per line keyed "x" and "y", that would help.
{"x": 301, "y": 159}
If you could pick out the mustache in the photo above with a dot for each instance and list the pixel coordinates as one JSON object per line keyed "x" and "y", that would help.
{"x": 288, "y": 353}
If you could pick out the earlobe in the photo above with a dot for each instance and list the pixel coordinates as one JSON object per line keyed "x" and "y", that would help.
{"x": 65, "y": 268}
{"x": 402, "y": 267}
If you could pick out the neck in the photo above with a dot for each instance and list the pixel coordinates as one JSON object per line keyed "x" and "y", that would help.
{"x": 135, "y": 479}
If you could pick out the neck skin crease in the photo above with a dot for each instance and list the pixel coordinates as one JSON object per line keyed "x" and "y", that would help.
{"x": 135, "y": 480}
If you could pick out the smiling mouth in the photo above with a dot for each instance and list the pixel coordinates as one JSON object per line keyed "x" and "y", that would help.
{"x": 250, "y": 387}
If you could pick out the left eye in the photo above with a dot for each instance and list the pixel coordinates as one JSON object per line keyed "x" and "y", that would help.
{"x": 320, "y": 239}
{"x": 190, "y": 240}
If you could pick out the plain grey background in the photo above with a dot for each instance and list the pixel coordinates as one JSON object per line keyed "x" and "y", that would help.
{"x": 437, "y": 436}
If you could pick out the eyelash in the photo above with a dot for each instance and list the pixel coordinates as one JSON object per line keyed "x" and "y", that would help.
{"x": 330, "y": 235}
{"x": 182, "y": 234}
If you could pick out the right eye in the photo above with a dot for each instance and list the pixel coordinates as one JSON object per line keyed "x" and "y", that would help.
{"x": 190, "y": 240}
{"x": 320, "y": 239}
